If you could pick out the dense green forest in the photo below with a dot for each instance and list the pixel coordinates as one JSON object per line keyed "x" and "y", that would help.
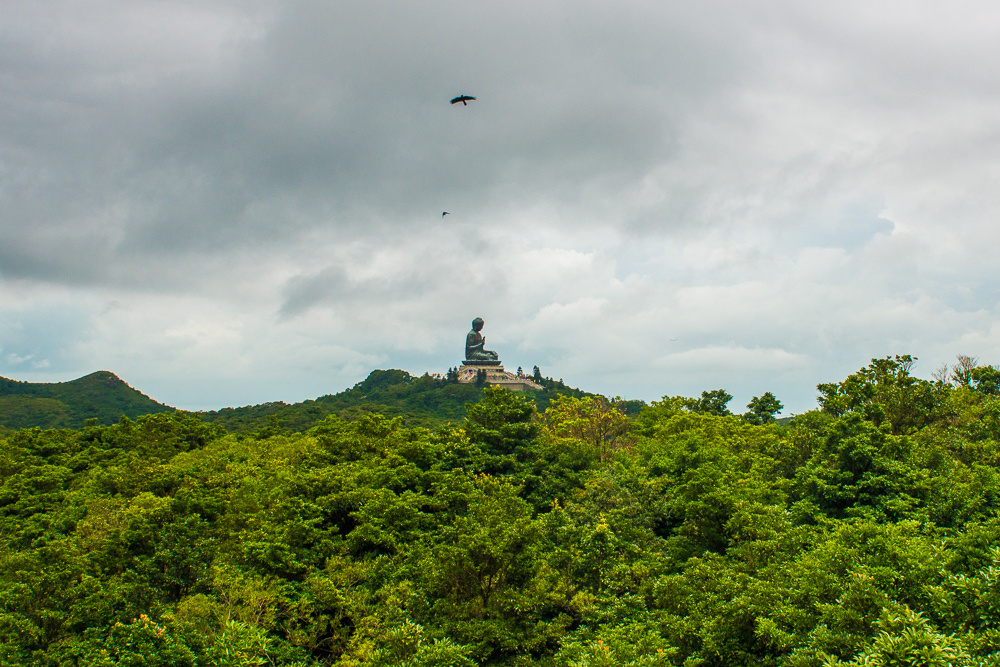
{"x": 864, "y": 532}
{"x": 417, "y": 401}
{"x": 100, "y": 397}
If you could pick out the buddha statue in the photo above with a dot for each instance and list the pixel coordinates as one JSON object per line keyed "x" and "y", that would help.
{"x": 475, "y": 351}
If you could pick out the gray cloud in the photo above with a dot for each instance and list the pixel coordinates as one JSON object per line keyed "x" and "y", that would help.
{"x": 786, "y": 190}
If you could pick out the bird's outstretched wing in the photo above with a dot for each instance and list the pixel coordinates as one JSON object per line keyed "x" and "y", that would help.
{"x": 464, "y": 99}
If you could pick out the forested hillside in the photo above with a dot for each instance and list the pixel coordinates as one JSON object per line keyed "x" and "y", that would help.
{"x": 417, "y": 401}
{"x": 103, "y": 398}
{"x": 865, "y": 532}
{"x": 100, "y": 396}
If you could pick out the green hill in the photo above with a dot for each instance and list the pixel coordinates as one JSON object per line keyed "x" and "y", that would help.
{"x": 419, "y": 401}
{"x": 864, "y": 532}
{"x": 102, "y": 396}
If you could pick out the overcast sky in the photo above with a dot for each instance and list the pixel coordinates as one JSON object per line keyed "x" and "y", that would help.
{"x": 227, "y": 203}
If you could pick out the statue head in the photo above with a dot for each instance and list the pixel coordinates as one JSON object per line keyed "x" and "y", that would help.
{"x": 477, "y": 324}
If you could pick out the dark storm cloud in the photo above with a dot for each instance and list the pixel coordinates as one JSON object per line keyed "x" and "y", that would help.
{"x": 452, "y": 268}
{"x": 334, "y": 287}
{"x": 260, "y": 185}
{"x": 123, "y": 138}
{"x": 150, "y": 130}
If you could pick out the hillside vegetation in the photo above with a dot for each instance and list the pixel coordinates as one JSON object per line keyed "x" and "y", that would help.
{"x": 100, "y": 396}
{"x": 417, "y": 401}
{"x": 865, "y": 532}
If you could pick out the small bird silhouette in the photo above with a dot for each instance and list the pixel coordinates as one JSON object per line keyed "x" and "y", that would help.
{"x": 464, "y": 99}
{"x": 445, "y": 213}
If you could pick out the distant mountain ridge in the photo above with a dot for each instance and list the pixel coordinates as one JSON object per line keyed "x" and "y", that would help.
{"x": 417, "y": 400}
{"x": 102, "y": 396}
{"x": 424, "y": 400}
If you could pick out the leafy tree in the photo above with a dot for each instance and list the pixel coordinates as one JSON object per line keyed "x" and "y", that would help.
{"x": 137, "y": 643}
{"x": 480, "y": 555}
{"x": 502, "y": 423}
{"x": 713, "y": 403}
{"x": 593, "y": 420}
{"x": 986, "y": 380}
{"x": 907, "y": 638}
{"x": 654, "y": 416}
{"x": 864, "y": 532}
{"x": 886, "y": 392}
{"x": 761, "y": 409}
{"x": 967, "y": 372}
{"x": 409, "y": 646}
{"x": 961, "y": 373}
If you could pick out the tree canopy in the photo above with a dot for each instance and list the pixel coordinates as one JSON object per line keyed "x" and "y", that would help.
{"x": 864, "y": 532}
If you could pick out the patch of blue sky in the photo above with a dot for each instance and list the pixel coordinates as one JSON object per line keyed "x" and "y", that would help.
{"x": 41, "y": 341}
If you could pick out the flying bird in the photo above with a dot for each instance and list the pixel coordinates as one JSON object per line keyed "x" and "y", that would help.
{"x": 445, "y": 213}
{"x": 464, "y": 99}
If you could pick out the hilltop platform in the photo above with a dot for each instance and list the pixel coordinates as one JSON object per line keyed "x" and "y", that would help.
{"x": 496, "y": 376}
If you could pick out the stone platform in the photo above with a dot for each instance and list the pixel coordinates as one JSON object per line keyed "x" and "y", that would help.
{"x": 496, "y": 376}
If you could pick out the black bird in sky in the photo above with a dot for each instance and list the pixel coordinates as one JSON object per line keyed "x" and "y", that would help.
{"x": 445, "y": 213}
{"x": 464, "y": 99}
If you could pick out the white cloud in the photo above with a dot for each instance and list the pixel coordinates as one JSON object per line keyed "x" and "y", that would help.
{"x": 237, "y": 202}
{"x": 728, "y": 358}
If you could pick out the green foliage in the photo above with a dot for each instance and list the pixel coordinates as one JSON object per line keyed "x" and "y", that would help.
{"x": 968, "y": 373}
{"x": 100, "y": 396}
{"x": 477, "y": 559}
{"x": 986, "y": 380}
{"x": 713, "y": 403}
{"x": 885, "y": 392}
{"x": 425, "y": 401}
{"x": 140, "y": 642}
{"x": 761, "y": 409}
{"x": 863, "y": 533}
{"x": 502, "y": 423}
{"x": 596, "y": 422}
{"x": 907, "y": 638}
{"x": 653, "y": 416}
{"x": 419, "y": 401}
